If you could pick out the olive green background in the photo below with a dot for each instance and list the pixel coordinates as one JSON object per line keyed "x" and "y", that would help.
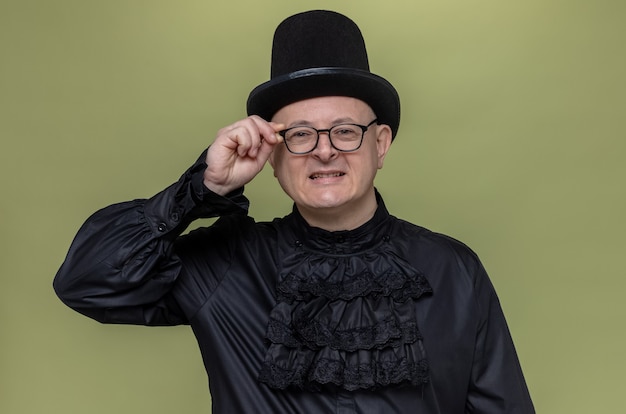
{"x": 512, "y": 140}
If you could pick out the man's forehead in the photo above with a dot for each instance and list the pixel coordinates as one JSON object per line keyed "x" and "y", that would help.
{"x": 328, "y": 108}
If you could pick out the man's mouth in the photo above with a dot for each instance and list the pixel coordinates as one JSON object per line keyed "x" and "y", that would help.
{"x": 315, "y": 176}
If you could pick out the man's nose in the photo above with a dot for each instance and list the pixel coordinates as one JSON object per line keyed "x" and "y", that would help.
{"x": 324, "y": 148}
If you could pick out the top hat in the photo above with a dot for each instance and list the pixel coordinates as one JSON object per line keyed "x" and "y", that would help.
{"x": 322, "y": 53}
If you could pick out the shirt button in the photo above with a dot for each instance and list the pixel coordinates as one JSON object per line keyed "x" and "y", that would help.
{"x": 175, "y": 216}
{"x": 162, "y": 227}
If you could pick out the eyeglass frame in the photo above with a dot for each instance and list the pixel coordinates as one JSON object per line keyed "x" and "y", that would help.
{"x": 364, "y": 129}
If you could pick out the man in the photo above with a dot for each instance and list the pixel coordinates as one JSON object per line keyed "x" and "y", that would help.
{"x": 337, "y": 307}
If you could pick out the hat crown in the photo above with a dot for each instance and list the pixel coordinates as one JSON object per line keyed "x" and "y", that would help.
{"x": 317, "y": 39}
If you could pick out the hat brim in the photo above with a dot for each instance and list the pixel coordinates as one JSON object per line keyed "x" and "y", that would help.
{"x": 269, "y": 97}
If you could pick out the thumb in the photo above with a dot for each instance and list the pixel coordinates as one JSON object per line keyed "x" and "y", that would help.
{"x": 269, "y": 144}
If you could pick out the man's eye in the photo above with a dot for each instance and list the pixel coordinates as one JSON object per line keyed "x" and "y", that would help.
{"x": 300, "y": 133}
{"x": 344, "y": 132}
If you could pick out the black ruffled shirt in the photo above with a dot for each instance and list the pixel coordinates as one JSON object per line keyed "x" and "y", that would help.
{"x": 386, "y": 318}
{"x": 345, "y": 309}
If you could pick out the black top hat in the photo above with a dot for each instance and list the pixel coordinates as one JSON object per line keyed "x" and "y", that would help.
{"x": 322, "y": 53}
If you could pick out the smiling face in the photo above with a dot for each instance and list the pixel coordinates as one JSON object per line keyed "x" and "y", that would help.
{"x": 332, "y": 189}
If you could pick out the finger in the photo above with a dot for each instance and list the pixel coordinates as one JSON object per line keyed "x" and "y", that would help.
{"x": 265, "y": 150}
{"x": 247, "y": 137}
{"x": 268, "y": 145}
{"x": 268, "y": 131}
{"x": 277, "y": 128}
{"x": 242, "y": 140}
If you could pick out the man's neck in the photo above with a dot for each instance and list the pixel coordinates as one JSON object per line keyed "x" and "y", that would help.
{"x": 340, "y": 218}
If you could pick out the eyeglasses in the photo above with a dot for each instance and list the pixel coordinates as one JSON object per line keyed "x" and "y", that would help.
{"x": 344, "y": 137}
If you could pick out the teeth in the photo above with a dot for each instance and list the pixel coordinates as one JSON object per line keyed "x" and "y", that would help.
{"x": 337, "y": 174}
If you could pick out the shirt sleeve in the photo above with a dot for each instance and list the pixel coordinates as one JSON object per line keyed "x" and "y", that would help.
{"x": 122, "y": 266}
{"x": 497, "y": 383}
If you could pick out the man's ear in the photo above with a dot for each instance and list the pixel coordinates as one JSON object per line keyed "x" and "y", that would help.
{"x": 383, "y": 142}
{"x": 271, "y": 161}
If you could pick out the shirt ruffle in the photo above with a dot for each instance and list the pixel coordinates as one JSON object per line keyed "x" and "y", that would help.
{"x": 347, "y": 321}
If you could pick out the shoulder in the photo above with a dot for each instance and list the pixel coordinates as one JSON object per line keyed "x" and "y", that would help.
{"x": 430, "y": 246}
{"x": 226, "y": 233}
{"x": 228, "y": 248}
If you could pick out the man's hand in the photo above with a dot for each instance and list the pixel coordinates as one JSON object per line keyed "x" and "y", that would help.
{"x": 239, "y": 153}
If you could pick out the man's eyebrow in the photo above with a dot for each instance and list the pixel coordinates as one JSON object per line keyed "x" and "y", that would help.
{"x": 302, "y": 122}
{"x": 346, "y": 120}
{"x": 299, "y": 122}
